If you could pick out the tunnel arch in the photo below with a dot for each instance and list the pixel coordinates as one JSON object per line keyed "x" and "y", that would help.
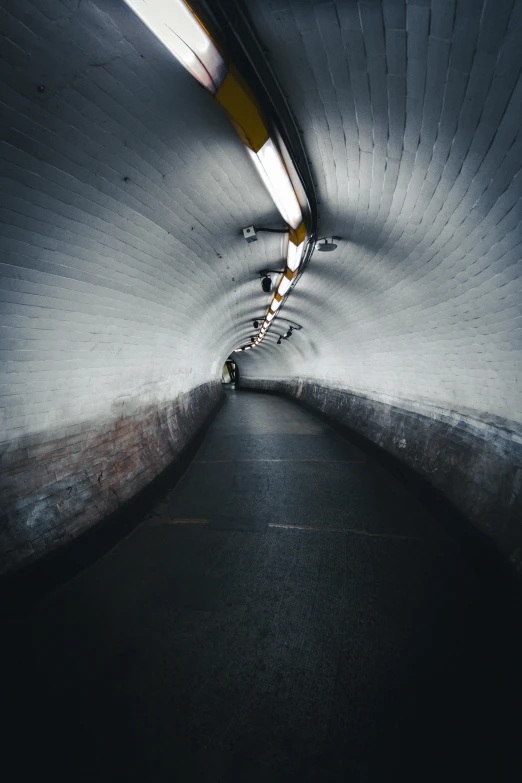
{"x": 126, "y": 279}
{"x": 418, "y": 347}
{"x": 125, "y": 274}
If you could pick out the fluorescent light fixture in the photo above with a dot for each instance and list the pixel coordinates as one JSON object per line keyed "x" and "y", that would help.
{"x": 284, "y": 285}
{"x": 275, "y": 305}
{"x": 295, "y": 254}
{"x": 180, "y": 31}
{"x": 270, "y": 166}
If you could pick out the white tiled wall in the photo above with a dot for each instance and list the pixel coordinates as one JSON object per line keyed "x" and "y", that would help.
{"x": 411, "y": 115}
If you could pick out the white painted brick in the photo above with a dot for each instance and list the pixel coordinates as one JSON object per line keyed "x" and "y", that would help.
{"x": 422, "y": 299}
{"x": 114, "y": 290}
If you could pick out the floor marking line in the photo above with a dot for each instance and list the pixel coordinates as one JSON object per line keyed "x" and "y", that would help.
{"x": 164, "y": 521}
{"x": 323, "y": 461}
{"x": 346, "y": 530}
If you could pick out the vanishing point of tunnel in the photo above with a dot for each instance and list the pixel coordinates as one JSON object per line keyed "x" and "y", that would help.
{"x": 260, "y": 393}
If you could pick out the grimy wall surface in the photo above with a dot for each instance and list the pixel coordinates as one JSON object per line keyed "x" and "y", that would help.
{"x": 124, "y": 280}
{"x": 411, "y": 115}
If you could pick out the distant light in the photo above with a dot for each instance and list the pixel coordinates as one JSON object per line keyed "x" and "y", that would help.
{"x": 180, "y": 31}
{"x": 270, "y": 165}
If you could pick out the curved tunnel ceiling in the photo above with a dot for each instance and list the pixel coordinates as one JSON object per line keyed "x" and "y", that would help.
{"x": 411, "y": 118}
{"x": 126, "y": 281}
{"x": 124, "y": 193}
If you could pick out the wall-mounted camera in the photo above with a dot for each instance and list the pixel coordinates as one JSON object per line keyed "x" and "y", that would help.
{"x": 266, "y": 284}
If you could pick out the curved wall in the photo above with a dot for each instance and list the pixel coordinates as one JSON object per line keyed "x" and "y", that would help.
{"x": 412, "y": 328}
{"x": 125, "y": 281}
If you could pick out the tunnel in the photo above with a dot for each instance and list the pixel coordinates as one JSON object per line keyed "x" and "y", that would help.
{"x": 260, "y": 418}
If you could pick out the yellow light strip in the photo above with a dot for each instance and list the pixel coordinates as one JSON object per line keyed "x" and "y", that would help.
{"x": 191, "y": 41}
{"x": 272, "y": 170}
{"x": 236, "y": 97}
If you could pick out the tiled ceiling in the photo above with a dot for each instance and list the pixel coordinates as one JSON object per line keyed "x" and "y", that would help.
{"x": 412, "y": 119}
{"x": 125, "y": 276}
{"x": 124, "y": 190}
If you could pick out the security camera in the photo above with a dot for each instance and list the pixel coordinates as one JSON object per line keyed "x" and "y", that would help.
{"x": 279, "y": 341}
{"x": 266, "y": 284}
{"x": 250, "y": 234}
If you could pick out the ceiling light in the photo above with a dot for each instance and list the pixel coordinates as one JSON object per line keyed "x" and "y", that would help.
{"x": 284, "y": 285}
{"x": 295, "y": 254}
{"x": 181, "y": 32}
{"x": 256, "y": 324}
{"x": 270, "y": 166}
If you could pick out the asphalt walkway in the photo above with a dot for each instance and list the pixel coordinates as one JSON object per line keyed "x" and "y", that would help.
{"x": 287, "y": 613}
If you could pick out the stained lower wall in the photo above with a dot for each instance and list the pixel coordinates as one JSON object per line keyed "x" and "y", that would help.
{"x": 475, "y": 463}
{"x": 54, "y": 488}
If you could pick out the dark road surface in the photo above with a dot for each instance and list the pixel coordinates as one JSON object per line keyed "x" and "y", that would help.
{"x": 288, "y": 613}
